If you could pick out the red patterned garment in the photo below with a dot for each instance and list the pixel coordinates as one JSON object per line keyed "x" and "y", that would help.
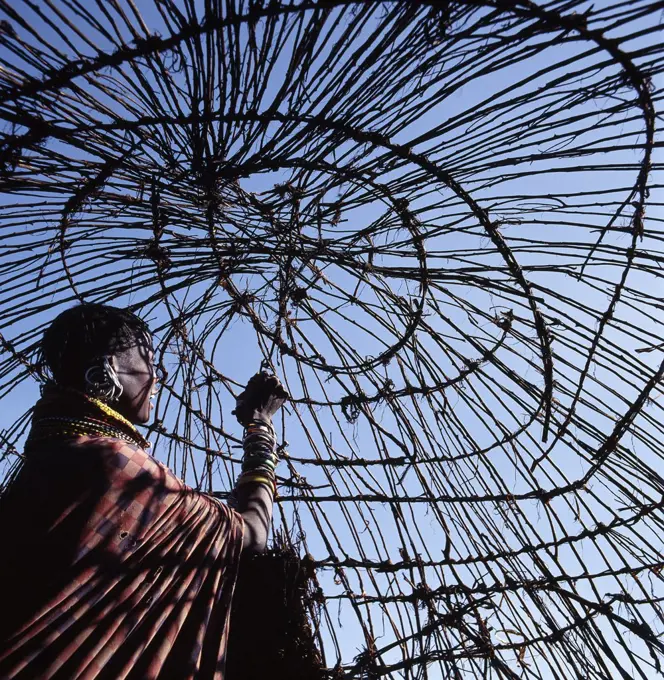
{"x": 111, "y": 567}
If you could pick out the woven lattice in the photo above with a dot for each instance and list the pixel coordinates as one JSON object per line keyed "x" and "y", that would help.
{"x": 440, "y": 223}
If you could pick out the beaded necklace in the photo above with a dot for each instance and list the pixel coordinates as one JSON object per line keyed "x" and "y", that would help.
{"x": 63, "y": 412}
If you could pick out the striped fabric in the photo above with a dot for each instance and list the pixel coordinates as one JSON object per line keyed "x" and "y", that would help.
{"x": 111, "y": 567}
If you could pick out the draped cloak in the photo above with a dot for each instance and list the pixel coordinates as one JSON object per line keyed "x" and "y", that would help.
{"x": 111, "y": 567}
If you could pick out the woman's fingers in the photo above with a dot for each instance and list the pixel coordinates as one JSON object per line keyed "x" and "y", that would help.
{"x": 270, "y": 382}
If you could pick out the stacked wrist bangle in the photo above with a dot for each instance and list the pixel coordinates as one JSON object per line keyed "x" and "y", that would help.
{"x": 260, "y": 459}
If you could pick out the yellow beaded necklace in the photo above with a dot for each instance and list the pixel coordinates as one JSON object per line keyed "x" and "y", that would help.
{"x": 112, "y": 413}
{"x": 96, "y": 418}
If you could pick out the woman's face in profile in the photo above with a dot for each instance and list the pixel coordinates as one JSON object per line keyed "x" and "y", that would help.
{"x": 136, "y": 373}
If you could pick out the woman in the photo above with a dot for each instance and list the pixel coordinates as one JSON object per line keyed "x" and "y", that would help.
{"x": 111, "y": 567}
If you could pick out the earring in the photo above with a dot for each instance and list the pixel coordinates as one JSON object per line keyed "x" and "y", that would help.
{"x": 102, "y": 382}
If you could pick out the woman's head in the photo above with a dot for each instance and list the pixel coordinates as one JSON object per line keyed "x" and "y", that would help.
{"x": 106, "y": 352}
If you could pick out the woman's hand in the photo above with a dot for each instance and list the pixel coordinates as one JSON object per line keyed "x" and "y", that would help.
{"x": 263, "y": 396}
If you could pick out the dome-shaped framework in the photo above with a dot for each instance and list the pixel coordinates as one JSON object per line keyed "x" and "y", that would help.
{"x": 440, "y": 224}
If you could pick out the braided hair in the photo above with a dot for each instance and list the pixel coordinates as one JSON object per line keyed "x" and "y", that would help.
{"x": 81, "y": 335}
